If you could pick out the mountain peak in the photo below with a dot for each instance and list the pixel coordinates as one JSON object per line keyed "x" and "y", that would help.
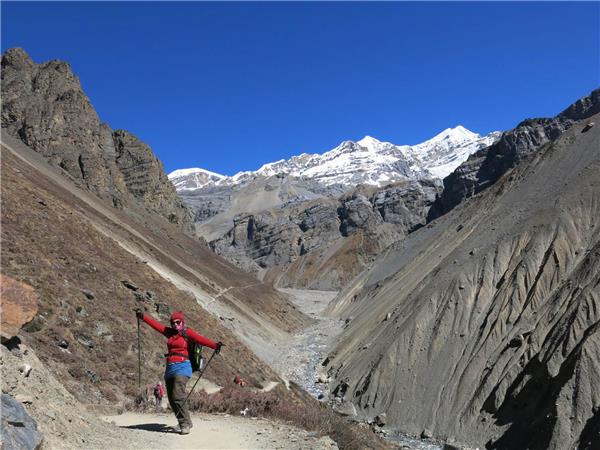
{"x": 194, "y": 178}
{"x": 18, "y": 58}
{"x": 192, "y": 171}
{"x": 456, "y": 134}
{"x": 368, "y": 142}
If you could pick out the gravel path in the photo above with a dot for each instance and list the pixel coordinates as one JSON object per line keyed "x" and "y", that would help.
{"x": 220, "y": 431}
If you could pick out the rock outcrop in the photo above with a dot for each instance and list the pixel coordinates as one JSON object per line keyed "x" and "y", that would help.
{"x": 407, "y": 205}
{"x": 308, "y": 235}
{"x": 483, "y": 327}
{"x": 45, "y": 107}
{"x": 18, "y": 305}
{"x": 145, "y": 178}
{"x": 485, "y": 167}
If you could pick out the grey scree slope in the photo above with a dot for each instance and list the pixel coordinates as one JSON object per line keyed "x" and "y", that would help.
{"x": 494, "y": 310}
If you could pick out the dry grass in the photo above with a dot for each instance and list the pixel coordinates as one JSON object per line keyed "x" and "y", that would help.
{"x": 48, "y": 244}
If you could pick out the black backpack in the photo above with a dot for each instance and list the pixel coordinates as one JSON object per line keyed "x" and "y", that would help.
{"x": 194, "y": 352}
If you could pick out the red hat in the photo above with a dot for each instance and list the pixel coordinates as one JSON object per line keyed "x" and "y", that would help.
{"x": 177, "y": 315}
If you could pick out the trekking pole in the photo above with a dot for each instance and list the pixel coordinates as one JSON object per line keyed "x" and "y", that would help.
{"x": 200, "y": 376}
{"x": 139, "y": 356}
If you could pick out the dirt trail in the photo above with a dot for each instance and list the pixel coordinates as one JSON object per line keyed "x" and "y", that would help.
{"x": 220, "y": 432}
{"x": 67, "y": 424}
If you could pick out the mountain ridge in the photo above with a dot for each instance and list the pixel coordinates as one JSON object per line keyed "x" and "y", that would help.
{"x": 45, "y": 107}
{"x": 366, "y": 161}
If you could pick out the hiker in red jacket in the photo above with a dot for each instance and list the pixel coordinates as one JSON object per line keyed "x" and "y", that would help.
{"x": 159, "y": 393}
{"x": 179, "y": 369}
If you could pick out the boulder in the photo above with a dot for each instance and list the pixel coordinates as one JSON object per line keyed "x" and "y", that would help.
{"x": 129, "y": 285}
{"x": 19, "y": 430}
{"x": 86, "y": 341}
{"x": 345, "y": 409}
{"x": 88, "y": 294}
{"x": 380, "y": 419}
{"x": 25, "y": 369}
{"x": 18, "y": 305}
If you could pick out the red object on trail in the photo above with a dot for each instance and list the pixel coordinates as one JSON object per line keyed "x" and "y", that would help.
{"x": 159, "y": 390}
{"x": 240, "y": 381}
{"x": 176, "y": 342}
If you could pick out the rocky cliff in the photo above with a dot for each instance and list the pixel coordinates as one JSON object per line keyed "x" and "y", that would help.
{"x": 483, "y": 326}
{"x": 325, "y": 242}
{"x": 44, "y": 106}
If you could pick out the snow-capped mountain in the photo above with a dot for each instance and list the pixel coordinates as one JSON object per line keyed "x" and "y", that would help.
{"x": 195, "y": 178}
{"x": 446, "y": 151}
{"x": 367, "y": 161}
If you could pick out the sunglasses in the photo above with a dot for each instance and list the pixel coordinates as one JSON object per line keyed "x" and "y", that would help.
{"x": 176, "y": 322}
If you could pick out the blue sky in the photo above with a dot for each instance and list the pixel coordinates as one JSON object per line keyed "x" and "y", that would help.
{"x": 230, "y": 86}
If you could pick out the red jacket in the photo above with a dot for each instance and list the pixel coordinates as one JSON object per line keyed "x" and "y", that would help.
{"x": 176, "y": 342}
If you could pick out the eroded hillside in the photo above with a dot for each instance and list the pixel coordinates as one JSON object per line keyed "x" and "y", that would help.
{"x": 484, "y": 325}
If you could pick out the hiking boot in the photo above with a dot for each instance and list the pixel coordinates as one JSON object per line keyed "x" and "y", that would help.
{"x": 181, "y": 429}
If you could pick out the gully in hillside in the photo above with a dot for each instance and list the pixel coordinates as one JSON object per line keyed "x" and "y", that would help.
{"x": 179, "y": 368}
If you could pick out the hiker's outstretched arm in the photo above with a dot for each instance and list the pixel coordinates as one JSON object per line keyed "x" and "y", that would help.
{"x": 154, "y": 324}
{"x": 201, "y": 339}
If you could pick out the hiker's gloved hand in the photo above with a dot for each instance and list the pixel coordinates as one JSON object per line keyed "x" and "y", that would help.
{"x": 218, "y": 349}
{"x": 139, "y": 314}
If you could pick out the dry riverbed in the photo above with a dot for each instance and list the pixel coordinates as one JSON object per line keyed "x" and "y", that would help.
{"x": 299, "y": 359}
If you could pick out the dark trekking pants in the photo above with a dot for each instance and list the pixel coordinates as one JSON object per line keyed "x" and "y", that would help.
{"x": 176, "y": 394}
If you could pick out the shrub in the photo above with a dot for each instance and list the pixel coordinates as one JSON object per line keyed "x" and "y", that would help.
{"x": 303, "y": 412}
{"x": 109, "y": 394}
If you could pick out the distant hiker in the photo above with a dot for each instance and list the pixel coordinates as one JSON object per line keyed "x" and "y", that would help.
{"x": 159, "y": 393}
{"x": 179, "y": 368}
{"x": 240, "y": 381}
